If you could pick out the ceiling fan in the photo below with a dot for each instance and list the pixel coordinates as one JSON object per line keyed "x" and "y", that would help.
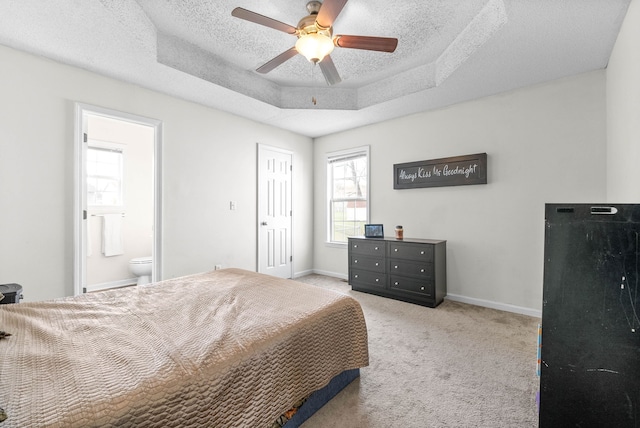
{"x": 315, "y": 37}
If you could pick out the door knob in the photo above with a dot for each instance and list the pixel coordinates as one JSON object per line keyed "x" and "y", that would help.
{"x": 264, "y": 223}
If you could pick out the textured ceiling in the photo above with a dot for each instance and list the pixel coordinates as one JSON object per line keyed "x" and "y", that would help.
{"x": 448, "y": 51}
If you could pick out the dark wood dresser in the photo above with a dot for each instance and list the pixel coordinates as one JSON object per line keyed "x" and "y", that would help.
{"x": 412, "y": 270}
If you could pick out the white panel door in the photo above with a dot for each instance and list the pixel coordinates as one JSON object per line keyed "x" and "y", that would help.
{"x": 274, "y": 211}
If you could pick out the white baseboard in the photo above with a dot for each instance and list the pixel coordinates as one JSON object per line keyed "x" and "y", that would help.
{"x": 112, "y": 284}
{"x": 303, "y": 273}
{"x": 495, "y": 305}
{"x": 453, "y": 297}
{"x": 333, "y": 274}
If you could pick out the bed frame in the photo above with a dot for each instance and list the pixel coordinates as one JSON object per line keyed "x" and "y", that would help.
{"x": 321, "y": 397}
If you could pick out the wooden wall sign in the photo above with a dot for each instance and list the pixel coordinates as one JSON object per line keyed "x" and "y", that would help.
{"x": 453, "y": 171}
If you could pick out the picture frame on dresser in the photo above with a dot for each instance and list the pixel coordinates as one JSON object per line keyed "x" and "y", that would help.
{"x": 374, "y": 231}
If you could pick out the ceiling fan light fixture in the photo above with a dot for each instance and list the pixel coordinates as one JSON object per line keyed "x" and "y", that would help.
{"x": 315, "y": 37}
{"x": 314, "y": 46}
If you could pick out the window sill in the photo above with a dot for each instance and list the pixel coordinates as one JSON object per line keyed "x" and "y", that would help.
{"x": 336, "y": 244}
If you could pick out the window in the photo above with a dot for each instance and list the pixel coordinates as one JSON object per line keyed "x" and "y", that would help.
{"x": 104, "y": 175}
{"x": 347, "y": 193}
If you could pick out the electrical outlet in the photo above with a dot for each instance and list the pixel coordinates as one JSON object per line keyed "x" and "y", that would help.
{"x": 218, "y": 267}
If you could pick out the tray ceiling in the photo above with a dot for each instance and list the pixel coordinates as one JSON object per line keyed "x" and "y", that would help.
{"x": 448, "y": 52}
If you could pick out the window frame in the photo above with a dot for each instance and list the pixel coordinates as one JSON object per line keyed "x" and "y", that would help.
{"x": 331, "y": 158}
{"x": 113, "y": 147}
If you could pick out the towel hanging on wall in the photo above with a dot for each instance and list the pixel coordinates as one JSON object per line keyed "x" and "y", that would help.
{"x": 112, "y": 243}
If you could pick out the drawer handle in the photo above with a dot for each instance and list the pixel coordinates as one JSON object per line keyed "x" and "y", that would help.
{"x": 395, "y": 267}
{"x": 377, "y": 280}
{"x": 396, "y": 283}
{"x": 377, "y": 263}
{"x": 421, "y": 270}
{"x": 421, "y": 252}
{"x": 376, "y": 248}
{"x": 355, "y": 261}
{"x": 395, "y": 249}
{"x": 422, "y": 288}
{"x": 355, "y": 246}
{"x": 355, "y": 276}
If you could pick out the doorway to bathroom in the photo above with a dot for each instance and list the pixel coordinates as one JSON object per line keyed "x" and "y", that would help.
{"x": 117, "y": 199}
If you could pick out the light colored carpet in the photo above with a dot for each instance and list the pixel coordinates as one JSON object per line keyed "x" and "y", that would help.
{"x": 457, "y": 365}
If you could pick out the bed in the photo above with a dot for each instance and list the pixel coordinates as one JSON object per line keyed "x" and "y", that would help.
{"x": 228, "y": 348}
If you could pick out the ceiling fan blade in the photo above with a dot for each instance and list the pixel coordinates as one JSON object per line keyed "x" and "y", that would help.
{"x": 329, "y": 11}
{"x": 382, "y": 44}
{"x": 284, "y": 56}
{"x": 329, "y": 71}
{"x": 247, "y": 15}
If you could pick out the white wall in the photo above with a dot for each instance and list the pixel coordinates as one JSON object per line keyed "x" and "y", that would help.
{"x": 544, "y": 143}
{"x": 209, "y": 159}
{"x": 623, "y": 112}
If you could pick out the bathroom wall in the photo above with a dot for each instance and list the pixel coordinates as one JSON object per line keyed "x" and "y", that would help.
{"x": 137, "y": 222}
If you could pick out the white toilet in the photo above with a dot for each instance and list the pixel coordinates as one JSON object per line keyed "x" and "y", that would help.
{"x": 141, "y": 267}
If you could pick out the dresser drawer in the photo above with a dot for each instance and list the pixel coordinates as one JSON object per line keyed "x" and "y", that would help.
{"x": 411, "y": 251}
{"x": 370, "y": 247}
{"x": 375, "y": 264}
{"x": 366, "y": 278}
{"x": 422, "y": 287}
{"x": 410, "y": 268}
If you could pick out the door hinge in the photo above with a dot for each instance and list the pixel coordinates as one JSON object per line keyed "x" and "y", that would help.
{"x": 290, "y": 258}
{"x": 84, "y": 289}
{"x": 84, "y": 214}
{"x": 85, "y": 137}
{"x": 290, "y": 167}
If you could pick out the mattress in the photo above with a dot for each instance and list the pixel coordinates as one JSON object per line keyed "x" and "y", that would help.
{"x": 226, "y": 348}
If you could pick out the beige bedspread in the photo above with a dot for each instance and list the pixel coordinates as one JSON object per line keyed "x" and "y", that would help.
{"x": 221, "y": 349}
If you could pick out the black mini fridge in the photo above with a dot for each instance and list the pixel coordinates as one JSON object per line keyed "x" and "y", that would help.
{"x": 590, "y": 355}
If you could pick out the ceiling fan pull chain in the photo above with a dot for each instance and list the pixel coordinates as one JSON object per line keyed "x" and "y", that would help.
{"x": 314, "y": 101}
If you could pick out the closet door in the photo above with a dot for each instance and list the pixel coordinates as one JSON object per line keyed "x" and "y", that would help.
{"x": 590, "y": 371}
